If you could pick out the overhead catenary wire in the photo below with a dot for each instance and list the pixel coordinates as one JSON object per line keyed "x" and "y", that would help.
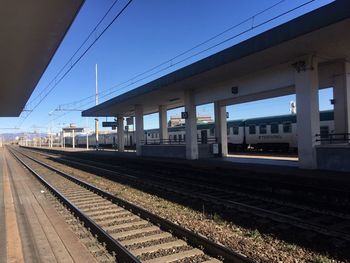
{"x": 252, "y": 27}
{"x": 110, "y": 91}
{"x": 181, "y": 54}
{"x": 77, "y": 60}
{"x": 76, "y": 52}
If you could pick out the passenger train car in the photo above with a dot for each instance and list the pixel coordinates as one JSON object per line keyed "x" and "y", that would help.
{"x": 267, "y": 133}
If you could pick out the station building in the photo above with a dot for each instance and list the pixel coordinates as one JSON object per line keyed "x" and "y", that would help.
{"x": 302, "y": 56}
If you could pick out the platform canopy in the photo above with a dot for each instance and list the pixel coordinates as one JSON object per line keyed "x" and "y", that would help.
{"x": 324, "y": 32}
{"x": 31, "y": 32}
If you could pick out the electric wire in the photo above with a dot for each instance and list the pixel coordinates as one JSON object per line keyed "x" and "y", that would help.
{"x": 112, "y": 90}
{"x": 79, "y": 48}
{"x": 77, "y": 60}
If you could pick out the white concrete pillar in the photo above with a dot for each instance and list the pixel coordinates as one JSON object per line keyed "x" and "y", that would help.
{"x": 73, "y": 139}
{"x": 341, "y": 95}
{"x": 308, "y": 116}
{"x": 191, "y": 126}
{"x": 87, "y": 140}
{"x": 221, "y": 127}
{"x": 163, "y": 126}
{"x": 139, "y": 134}
{"x": 120, "y": 122}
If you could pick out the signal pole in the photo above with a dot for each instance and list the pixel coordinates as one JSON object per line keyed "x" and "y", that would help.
{"x": 96, "y": 103}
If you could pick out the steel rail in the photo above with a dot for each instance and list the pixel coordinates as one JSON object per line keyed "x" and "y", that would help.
{"x": 111, "y": 244}
{"x": 275, "y": 216}
{"x": 209, "y": 247}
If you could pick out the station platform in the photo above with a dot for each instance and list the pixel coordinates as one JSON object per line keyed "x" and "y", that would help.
{"x": 31, "y": 230}
{"x": 251, "y": 163}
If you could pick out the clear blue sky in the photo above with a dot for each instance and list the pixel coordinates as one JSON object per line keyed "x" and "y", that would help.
{"x": 147, "y": 34}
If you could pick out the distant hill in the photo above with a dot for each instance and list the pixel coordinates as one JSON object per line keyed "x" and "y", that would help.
{"x": 12, "y": 136}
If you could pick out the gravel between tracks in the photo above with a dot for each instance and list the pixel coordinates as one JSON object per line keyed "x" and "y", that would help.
{"x": 85, "y": 237}
{"x": 260, "y": 247}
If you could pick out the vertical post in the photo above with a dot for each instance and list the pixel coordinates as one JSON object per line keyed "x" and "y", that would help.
{"x": 163, "y": 127}
{"x": 191, "y": 126}
{"x": 73, "y": 139}
{"x": 64, "y": 141}
{"x": 87, "y": 140}
{"x": 96, "y": 103}
{"x": 221, "y": 126}
{"x": 308, "y": 116}
{"x": 120, "y": 130}
{"x": 139, "y": 128}
{"x": 341, "y": 93}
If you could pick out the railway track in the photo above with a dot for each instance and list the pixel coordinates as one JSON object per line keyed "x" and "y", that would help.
{"x": 316, "y": 192}
{"x": 328, "y": 224}
{"x": 134, "y": 234}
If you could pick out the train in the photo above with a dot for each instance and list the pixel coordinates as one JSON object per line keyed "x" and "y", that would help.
{"x": 273, "y": 133}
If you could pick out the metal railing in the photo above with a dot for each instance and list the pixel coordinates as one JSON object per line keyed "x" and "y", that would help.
{"x": 333, "y": 138}
{"x": 176, "y": 141}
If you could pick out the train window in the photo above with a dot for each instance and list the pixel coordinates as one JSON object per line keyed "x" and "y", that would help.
{"x": 252, "y": 129}
{"x": 287, "y": 127}
{"x": 324, "y": 131}
{"x": 262, "y": 129}
{"x": 235, "y": 130}
{"x": 212, "y": 130}
{"x": 274, "y": 128}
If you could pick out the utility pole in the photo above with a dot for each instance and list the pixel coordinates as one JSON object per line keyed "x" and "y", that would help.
{"x": 96, "y": 103}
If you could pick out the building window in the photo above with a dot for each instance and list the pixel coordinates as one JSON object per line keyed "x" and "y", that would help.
{"x": 274, "y": 128}
{"x": 228, "y": 130}
{"x": 175, "y": 137}
{"x": 262, "y": 129}
{"x": 212, "y": 130}
{"x": 252, "y": 129}
{"x": 324, "y": 131}
{"x": 180, "y": 137}
{"x": 287, "y": 127}
{"x": 170, "y": 137}
{"x": 235, "y": 130}
{"x": 152, "y": 135}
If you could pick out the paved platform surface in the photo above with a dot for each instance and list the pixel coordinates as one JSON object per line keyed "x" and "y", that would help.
{"x": 31, "y": 230}
{"x": 251, "y": 158}
{"x": 285, "y": 164}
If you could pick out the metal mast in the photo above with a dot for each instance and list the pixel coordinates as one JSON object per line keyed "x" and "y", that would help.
{"x": 96, "y": 103}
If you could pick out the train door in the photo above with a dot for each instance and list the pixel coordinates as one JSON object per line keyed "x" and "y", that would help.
{"x": 204, "y": 136}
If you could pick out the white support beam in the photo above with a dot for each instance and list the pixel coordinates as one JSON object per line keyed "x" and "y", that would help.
{"x": 163, "y": 125}
{"x": 308, "y": 116}
{"x": 221, "y": 127}
{"x": 191, "y": 126}
{"x": 341, "y": 93}
{"x": 120, "y": 133}
{"x": 139, "y": 134}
